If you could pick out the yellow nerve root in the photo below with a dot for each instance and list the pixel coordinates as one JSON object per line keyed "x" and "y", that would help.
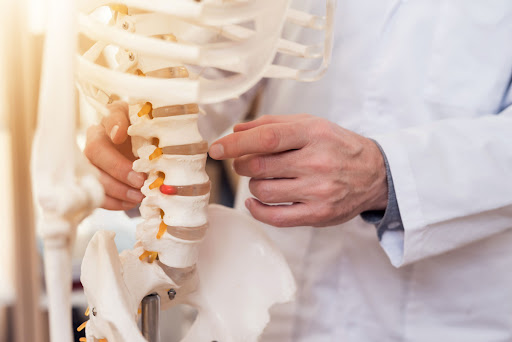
{"x": 147, "y": 254}
{"x": 144, "y": 255}
{"x": 82, "y": 339}
{"x": 82, "y": 326}
{"x": 102, "y": 340}
{"x": 159, "y": 181}
{"x": 87, "y": 311}
{"x": 140, "y": 73}
{"x": 146, "y": 109}
{"x": 161, "y": 230}
{"x": 157, "y": 153}
{"x": 152, "y": 257}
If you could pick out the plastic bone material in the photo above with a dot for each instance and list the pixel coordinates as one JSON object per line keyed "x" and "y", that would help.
{"x": 166, "y": 54}
{"x": 230, "y": 308}
{"x": 212, "y": 34}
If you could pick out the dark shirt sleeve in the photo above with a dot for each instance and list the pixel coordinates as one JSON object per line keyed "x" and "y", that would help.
{"x": 389, "y": 218}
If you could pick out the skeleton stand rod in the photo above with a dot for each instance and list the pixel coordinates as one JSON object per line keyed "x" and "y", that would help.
{"x": 151, "y": 318}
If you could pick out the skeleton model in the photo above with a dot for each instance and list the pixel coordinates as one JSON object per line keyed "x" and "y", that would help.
{"x": 209, "y": 257}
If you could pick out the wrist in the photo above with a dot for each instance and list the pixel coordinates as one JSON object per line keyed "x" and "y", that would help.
{"x": 378, "y": 189}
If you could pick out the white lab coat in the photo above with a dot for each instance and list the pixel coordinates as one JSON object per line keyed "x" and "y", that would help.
{"x": 429, "y": 80}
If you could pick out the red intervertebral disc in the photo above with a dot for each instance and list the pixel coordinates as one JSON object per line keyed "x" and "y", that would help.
{"x": 168, "y": 189}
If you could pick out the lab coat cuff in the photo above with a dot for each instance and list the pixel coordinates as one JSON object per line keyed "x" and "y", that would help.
{"x": 394, "y": 241}
{"x": 388, "y": 222}
{"x": 390, "y": 217}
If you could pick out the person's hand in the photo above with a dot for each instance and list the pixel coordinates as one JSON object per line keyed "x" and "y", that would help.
{"x": 109, "y": 149}
{"x": 320, "y": 173}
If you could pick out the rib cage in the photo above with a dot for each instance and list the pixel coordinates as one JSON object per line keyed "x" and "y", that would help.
{"x": 238, "y": 38}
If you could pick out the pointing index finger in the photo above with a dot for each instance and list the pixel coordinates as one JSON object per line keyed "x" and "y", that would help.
{"x": 271, "y": 138}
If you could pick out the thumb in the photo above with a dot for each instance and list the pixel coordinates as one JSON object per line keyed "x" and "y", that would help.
{"x": 117, "y": 122}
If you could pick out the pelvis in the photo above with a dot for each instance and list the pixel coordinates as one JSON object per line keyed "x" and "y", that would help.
{"x": 238, "y": 277}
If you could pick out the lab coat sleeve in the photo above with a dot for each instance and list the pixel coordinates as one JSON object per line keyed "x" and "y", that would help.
{"x": 453, "y": 184}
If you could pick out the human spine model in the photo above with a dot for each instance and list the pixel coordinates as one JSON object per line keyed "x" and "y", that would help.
{"x": 229, "y": 272}
{"x": 173, "y": 154}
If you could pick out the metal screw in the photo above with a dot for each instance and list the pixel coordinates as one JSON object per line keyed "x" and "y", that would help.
{"x": 172, "y": 294}
{"x": 94, "y": 312}
{"x": 126, "y": 26}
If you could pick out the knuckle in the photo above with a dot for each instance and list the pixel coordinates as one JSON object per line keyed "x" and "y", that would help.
{"x": 324, "y": 213}
{"x": 256, "y": 166}
{"x": 269, "y": 138}
{"x": 117, "y": 170}
{"x": 323, "y": 164}
{"x": 260, "y": 189}
{"x": 90, "y": 149}
{"x": 325, "y": 190}
{"x": 93, "y": 143}
{"x": 87, "y": 151}
{"x": 320, "y": 126}
{"x": 103, "y": 180}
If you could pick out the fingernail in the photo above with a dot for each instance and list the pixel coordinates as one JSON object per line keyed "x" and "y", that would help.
{"x": 113, "y": 132}
{"x": 248, "y": 203}
{"x": 216, "y": 151}
{"x": 135, "y": 195}
{"x": 135, "y": 179}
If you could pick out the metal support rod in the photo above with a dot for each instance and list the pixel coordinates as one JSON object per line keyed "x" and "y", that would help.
{"x": 151, "y": 318}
